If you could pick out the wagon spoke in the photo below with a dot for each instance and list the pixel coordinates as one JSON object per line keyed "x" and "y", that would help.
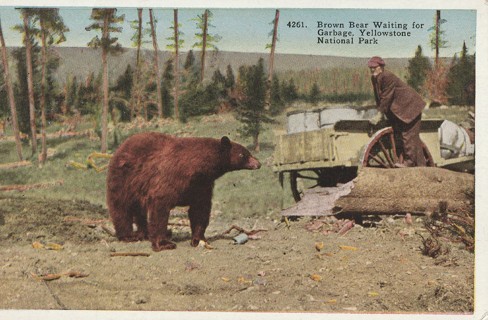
{"x": 382, "y": 151}
{"x": 393, "y": 147}
{"x": 387, "y": 154}
{"x": 378, "y": 160}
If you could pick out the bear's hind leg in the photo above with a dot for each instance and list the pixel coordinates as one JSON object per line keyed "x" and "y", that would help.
{"x": 158, "y": 216}
{"x": 122, "y": 221}
{"x": 140, "y": 219}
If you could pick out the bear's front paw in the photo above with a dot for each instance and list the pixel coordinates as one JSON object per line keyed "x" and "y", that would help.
{"x": 163, "y": 245}
{"x": 196, "y": 242}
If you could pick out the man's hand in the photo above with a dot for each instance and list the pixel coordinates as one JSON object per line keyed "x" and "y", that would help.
{"x": 377, "y": 118}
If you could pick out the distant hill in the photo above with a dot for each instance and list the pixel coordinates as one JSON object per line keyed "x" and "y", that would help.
{"x": 80, "y": 62}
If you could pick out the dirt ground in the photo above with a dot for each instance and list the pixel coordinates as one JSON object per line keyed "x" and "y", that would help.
{"x": 369, "y": 269}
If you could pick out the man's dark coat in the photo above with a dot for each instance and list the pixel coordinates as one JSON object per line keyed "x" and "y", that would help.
{"x": 393, "y": 95}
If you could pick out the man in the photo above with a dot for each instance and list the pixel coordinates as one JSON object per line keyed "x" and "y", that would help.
{"x": 403, "y": 107}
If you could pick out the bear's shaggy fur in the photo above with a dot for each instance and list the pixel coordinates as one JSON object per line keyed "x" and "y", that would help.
{"x": 151, "y": 173}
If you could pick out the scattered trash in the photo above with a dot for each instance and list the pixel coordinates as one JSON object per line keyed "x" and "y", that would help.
{"x": 373, "y": 294}
{"x": 244, "y": 280}
{"x": 46, "y": 277}
{"x": 408, "y": 219}
{"x": 90, "y": 162}
{"x": 348, "y": 225}
{"x": 48, "y": 246}
{"x": 248, "y": 233}
{"x": 316, "y": 277}
{"x": 55, "y": 276}
{"x": 348, "y": 248}
{"x": 327, "y": 225}
{"x": 319, "y": 246}
{"x": 260, "y": 281}
{"x": 241, "y": 238}
{"x": 204, "y": 244}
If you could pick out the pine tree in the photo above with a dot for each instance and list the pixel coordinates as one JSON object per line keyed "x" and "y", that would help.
{"x": 105, "y": 20}
{"x": 314, "y": 95}
{"x": 28, "y": 30}
{"x": 272, "y": 46}
{"x": 230, "y": 80}
{"x": 137, "y": 39}
{"x": 289, "y": 91}
{"x": 52, "y": 29}
{"x": 418, "y": 68}
{"x": 277, "y": 102}
{"x": 156, "y": 62}
{"x": 190, "y": 76}
{"x": 461, "y": 79}
{"x": 122, "y": 93}
{"x": 175, "y": 46}
{"x": 167, "y": 84}
{"x": 10, "y": 94}
{"x": 251, "y": 110}
{"x": 206, "y": 40}
{"x": 21, "y": 87}
{"x": 437, "y": 37}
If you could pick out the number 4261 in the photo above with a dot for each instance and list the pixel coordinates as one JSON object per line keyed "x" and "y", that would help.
{"x": 296, "y": 24}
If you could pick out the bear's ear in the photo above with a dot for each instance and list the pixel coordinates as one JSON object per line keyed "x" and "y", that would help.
{"x": 225, "y": 142}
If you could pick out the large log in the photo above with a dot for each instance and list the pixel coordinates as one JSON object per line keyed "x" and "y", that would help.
{"x": 417, "y": 190}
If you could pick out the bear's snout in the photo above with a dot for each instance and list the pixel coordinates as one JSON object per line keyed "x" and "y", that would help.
{"x": 253, "y": 164}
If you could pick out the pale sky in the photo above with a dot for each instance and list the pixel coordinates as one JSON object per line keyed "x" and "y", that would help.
{"x": 247, "y": 30}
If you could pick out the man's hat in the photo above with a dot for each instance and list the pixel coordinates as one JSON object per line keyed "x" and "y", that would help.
{"x": 375, "y": 62}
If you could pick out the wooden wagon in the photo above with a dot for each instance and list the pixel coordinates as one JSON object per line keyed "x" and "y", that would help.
{"x": 324, "y": 147}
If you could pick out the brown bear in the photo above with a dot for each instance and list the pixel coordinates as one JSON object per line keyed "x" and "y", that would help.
{"x": 151, "y": 173}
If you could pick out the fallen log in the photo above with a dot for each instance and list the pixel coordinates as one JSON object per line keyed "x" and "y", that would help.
{"x": 129, "y": 254}
{"x": 374, "y": 191}
{"x": 25, "y": 187}
{"x": 13, "y": 165}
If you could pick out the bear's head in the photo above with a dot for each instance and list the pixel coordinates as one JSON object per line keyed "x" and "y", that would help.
{"x": 238, "y": 156}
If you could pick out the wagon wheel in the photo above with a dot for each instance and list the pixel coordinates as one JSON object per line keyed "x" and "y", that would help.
{"x": 322, "y": 177}
{"x": 311, "y": 178}
{"x": 382, "y": 151}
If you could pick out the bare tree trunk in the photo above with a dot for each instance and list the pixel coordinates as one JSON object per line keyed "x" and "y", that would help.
{"x": 156, "y": 65}
{"x": 204, "y": 44}
{"x": 105, "y": 36}
{"x": 64, "y": 106}
{"x": 139, "y": 36}
{"x": 256, "y": 146}
{"x": 10, "y": 92}
{"x": 271, "y": 60}
{"x": 136, "y": 101}
{"x": 30, "y": 84}
{"x": 437, "y": 29}
{"x": 177, "y": 76}
{"x": 43, "y": 94}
